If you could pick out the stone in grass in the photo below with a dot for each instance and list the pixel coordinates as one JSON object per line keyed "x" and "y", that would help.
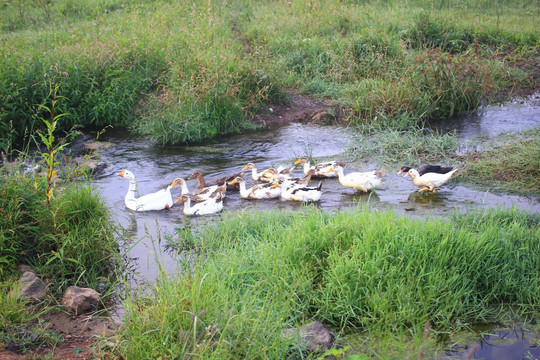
{"x": 30, "y": 287}
{"x": 313, "y": 336}
{"x": 80, "y": 300}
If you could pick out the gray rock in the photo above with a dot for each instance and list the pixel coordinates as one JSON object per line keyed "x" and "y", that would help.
{"x": 313, "y": 336}
{"x": 24, "y": 268}
{"x": 80, "y": 300}
{"x": 30, "y": 287}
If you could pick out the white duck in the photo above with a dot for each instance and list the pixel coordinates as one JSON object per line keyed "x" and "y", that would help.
{"x": 363, "y": 181}
{"x": 156, "y": 201}
{"x": 211, "y": 205}
{"x": 299, "y": 193}
{"x": 256, "y": 176}
{"x": 431, "y": 181}
{"x": 200, "y": 194}
{"x": 321, "y": 170}
{"x": 259, "y": 191}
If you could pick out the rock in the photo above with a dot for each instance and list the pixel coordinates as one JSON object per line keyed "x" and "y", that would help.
{"x": 93, "y": 166}
{"x": 93, "y": 146}
{"x": 313, "y": 336}
{"x": 24, "y": 268}
{"x": 31, "y": 287}
{"x": 80, "y": 300}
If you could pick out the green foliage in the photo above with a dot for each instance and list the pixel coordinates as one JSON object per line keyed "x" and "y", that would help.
{"x": 193, "y": 70}
{"x": 259, "y": 273}
{"x": 512, "y": 166}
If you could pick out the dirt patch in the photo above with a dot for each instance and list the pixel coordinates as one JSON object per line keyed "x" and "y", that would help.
{"x": 79, "y": 334}
{"x": 302, "y": 108}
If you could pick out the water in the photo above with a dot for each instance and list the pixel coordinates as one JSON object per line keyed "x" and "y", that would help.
{"x": 157, "y": 167}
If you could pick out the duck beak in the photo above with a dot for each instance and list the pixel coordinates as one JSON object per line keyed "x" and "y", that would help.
{"x": 122, "y": 173}
{"x": 407, "y": 174}
{"x": 298, "y": 161}
{"x": 330, "y": 170}
{"x": 400, "y": 172}
{"x": 274, "y": 186}
{"x": 245, "y": 168}
{"x": 266, "y": 171}
{"x": 180, "y": 199}
{"x": 175, "y": 182}
{"x": 232, "y": 182}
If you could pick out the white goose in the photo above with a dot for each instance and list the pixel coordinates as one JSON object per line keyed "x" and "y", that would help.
{"x": 431, "y": 181}
{"x": 258, "y": 192}
{"x": 211, "y": 205}
{"x": 299, "y": 193}
{"x": 363, "y": 181}
{"x": 321, "y": 170}
{"x": 155, "y": 201}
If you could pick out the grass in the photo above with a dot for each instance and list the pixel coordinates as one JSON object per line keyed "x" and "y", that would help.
{"x": 510, "y": 165}
{"x": 189, "y": 71}
{"x": 392, "y": 146}
{"x": 253, "y": 275}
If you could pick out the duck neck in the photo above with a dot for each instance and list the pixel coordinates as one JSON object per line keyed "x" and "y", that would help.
{"x": 202, "y": 184}
{"x": 187, "y": 205}
{"x": 184, "y": 188}
{"x": 243, "y": 190}
{"x": 254, "y": 174}
{"x": 307, "y": 166}
{"x": 132, "y": 190}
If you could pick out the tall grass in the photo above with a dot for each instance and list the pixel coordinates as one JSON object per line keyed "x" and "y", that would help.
{"x": 188, "y": 71}
{"x": 259, "y": 273}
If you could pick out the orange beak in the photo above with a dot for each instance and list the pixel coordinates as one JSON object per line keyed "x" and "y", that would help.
{"x": 298, "y": 161}
{"x": 122, "y": 173}
{"x": 180, "y": 199}
{"x": 330, "y": 170}
{"x": 245, "y": 168}
{"x": 274, "y": 186}
{"x": 232, "y": 182}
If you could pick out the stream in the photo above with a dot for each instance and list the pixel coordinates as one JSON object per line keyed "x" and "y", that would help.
{"x": 156, "y": 167}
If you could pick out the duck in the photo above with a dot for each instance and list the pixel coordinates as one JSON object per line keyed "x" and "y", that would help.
{"x": 285, "y": 175}
{"x": 426, "y": 169}
{"x": 430, "y": 181}
{"x": 363, "y": 181}
{"x": 257, "y": 176}
{"x": 321, "y": 170}
{"x": 299, "y": 193}
{"x": 211, "y": 205}
{"x": 202, "y": 194}
{"x": 219, "y": 181}
{"x": 256, "y": 192}
{"x": 155, "y": 201}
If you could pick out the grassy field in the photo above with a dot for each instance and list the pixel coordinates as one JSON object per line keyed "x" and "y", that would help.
{"x": 255, "y": 274}
{"x": 189, "y": 71}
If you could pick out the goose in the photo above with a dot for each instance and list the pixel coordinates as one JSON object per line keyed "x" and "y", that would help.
{"x": 219, "y": 181}
{"x": 299, "y": 193}
{"x": 259, "y": 191}
{"x": 426, "y": 169}
{"x": 155, "y": 201}
{"x": 363, "y": 181}
{"x": 321, "y": 170}
{"x": 431, "y": 181}
{"x": 211, "y": 205}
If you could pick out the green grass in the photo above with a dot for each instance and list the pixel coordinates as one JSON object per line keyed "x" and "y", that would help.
{"x": 71, "y": 241}
{"x": 189, "y": 71}
{"x": 510, "y": 165}
{"x": 253, "y": 275}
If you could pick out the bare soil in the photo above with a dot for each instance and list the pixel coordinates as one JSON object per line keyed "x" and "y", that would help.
{"x": 301, "y": 109}
{"x": 79, "y": 333}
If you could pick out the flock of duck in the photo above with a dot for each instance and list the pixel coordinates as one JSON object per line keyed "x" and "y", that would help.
{"x": 273, "y": 183}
